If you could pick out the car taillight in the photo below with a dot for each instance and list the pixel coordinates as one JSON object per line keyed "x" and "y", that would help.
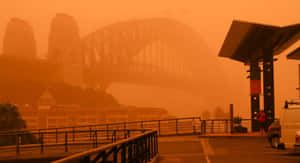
{"x": 297, "y": 138}
{"x": 270, "y": 128}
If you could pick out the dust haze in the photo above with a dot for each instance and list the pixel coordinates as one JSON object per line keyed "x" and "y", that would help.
{"x": 219, "y": 81}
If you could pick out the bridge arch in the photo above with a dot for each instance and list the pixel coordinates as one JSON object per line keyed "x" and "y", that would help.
{"x": 114, "y": 46}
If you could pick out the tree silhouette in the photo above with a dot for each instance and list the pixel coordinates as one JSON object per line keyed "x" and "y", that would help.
{"x": 10, "y": 119}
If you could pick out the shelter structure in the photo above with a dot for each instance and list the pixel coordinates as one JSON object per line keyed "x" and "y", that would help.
{"x": 255, "y": 45}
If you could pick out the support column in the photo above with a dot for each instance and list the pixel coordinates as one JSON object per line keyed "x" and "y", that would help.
{"x": 255, "y": 89}
{"x": 268, "y": 85}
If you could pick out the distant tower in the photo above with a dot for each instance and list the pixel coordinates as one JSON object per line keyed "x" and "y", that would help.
{"x": 19, "y": 39}
{"x": 64, "y": 48}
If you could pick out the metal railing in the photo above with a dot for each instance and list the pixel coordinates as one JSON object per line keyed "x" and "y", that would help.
{"x": 67, "y": 139}
{"x": 222, "y": 125}
{"x": 139, "y": 148}
{"x": 64, "y": 141}
{"x": 164, "y": 127}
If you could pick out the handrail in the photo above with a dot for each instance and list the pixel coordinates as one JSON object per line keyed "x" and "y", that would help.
{"x": 94, "y": 136}
{"x": 77, "y": 131}
{"x": 102, "y": 124}
{"x": 88, "y": 153}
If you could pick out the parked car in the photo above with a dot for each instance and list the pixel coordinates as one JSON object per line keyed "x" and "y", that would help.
{"x": 289, "y": 126}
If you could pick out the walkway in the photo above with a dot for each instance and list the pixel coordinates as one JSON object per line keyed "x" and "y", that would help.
{"x": 219, "y": 149}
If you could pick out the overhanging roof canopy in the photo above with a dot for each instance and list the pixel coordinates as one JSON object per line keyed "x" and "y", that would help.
{"x": 245, "y": 41}
{"x": 295, "y": 54}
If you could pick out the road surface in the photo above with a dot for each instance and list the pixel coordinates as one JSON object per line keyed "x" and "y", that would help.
{"x": 193, "y": 149}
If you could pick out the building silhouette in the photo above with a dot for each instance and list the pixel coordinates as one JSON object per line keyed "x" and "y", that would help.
{"x": 64, "y": 48}
{"x": 19, "y": 39}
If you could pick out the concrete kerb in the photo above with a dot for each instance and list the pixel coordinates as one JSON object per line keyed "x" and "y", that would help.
{"x": 233, "y": 136}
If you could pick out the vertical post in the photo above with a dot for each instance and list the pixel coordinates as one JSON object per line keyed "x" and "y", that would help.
{"x": 114, "y": 137}
{"x": 134, "y": 149}
{"x": 107, "y": 131}
{"x": 151, "y": 146}
{"x": 130, "y": 151}
{"x": 96, "y": 139}
{"x": 144, "y": 146}
{"x": 299, "y": 79}
{"x": 194, "y": 125}
{"x": 66, "y": 141}
{"x": 73, "y": 131}
{"x": 231, "y": 117}
{"x": 255, "y": 90}
{"x": 148, "y": 137}
{"x": 56, "y": 135}
{"x": 205, "y": 126}
{"x": 42, "y": 142}
{"x": 125, "y": 128}
{"x": 226, "y": 126}
{"x": 90, "y": 134}
{"x": 123, "y": 154}
{"x": 159, "y": 127}
{"x": 128, "y": 133}
{"x": 40, "y": 135}
{"x": 156, "y": 143}
{"x": 17, "y": 144}
{"x": 212, "y": 126}
{"x": 176, "y": 126}
{"x": 115, "y": 155}
{"x": 268, "y": 77}
{"x": 202, "y": 127}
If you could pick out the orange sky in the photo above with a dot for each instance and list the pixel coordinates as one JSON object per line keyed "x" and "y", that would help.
{"x": 211, "y": 18}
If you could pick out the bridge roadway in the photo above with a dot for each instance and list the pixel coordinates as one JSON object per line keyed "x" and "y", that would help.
{"x": 220, "y": 149}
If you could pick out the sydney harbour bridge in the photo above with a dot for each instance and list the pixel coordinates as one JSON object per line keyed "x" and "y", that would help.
{"x": 156, "y": 51}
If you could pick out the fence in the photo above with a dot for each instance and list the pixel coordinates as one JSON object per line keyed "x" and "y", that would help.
{"x": 165, "y": 127}
{"x": 64, "y": 141}
{"x": 139, "y": 148}
{"x": 223, "y": 126}
{"x": 86, "y": 137}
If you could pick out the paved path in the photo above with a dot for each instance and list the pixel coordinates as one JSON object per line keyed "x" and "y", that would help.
{"x": 195, "y": 149}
